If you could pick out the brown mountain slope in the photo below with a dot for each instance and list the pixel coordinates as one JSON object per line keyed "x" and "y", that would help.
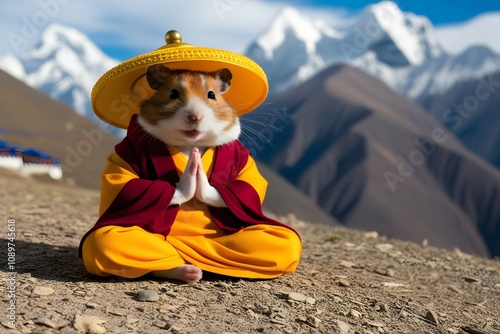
{"x": 29, "y": 118}
{"x": 375, "y": 160}
{"x": 470, "y": 109}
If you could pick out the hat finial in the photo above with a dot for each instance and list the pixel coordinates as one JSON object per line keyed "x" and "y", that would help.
{"x": 173, "y": 36}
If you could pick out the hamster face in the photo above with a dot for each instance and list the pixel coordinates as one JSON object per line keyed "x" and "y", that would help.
{"x": 188, "y": 108}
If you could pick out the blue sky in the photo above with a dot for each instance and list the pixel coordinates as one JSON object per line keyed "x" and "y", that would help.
{"x": 438, "y": 11}
{"x": 124, "y": 31}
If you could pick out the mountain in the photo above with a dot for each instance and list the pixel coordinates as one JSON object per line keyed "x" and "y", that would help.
{"x": 30, "y": 118}
{"x": 458, "y": 37}
{"x": 400, "y": 49}
{"x": 65, "y": 65}
{"x": 294, "y": 47}
{"x": 375, "y": 160}
{"x": 470, "y": 110}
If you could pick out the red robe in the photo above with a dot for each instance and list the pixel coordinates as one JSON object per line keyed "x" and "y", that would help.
{"x": 144, "y": 201}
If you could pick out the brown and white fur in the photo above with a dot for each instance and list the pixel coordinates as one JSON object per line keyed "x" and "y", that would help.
{"x": 188, "y": 111}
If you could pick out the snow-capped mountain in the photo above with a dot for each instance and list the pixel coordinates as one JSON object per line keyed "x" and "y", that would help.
{"x": 65, "y": 65}
{"x": 478, "y": 31}
{"x": 295, "y": 47}
{"x": 398, "y": 48}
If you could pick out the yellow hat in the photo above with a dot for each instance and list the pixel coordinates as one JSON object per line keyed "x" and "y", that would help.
{"x": 117, "y": 95}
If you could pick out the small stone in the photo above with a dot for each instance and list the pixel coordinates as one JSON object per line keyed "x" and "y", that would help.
{"x": 390, "y": 272}
{"x": 45, "y": 321}
{"x": 384, "y": 247}
{"x": 371, "y": 235}
{"x": 471, "y": 279}
{"x": 393, "y": 284}
{"x": 89, "y": 324}
{"x": 313, "y": 321}
{"x": 452, "y": 330}
{"x": 297, "y": 297}
{"x": 454, "y": 289}
{"x": 344, "y": 282}
{"x": 266, "y": 286}
{"x": 92, "y": 305}
{"x": 200, "y": 287}
{"x": 42, "y": 290}
{"x": 387, "y": 272}
{"x": 355, "y": 314}
{"x": 147, "y": 296}
{"x": 343, "y": 327}
{"x": 425, "y": 243}
{"x": 115, "y": 311}
{"x": 403, "y": 314}
{"x": 6, "y": 324}
{"x": 432, "y": 317}
{"x": 310, "y": 300}
{"x": 347, "y": 264}
{"x": 472, "y": 330}
{"x": 132, "y": 320}
{"x": 384, "y": 307}
{"x": 374, "y": 324}
{"x": 252, "y": 314}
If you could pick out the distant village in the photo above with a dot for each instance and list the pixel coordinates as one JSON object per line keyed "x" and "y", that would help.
{"x": 29, "y": 161}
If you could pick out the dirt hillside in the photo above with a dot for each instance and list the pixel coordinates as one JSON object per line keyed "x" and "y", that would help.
{"x": 347, "y": 282}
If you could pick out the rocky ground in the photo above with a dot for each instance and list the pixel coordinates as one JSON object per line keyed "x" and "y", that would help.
{"x": 347, "y": 282}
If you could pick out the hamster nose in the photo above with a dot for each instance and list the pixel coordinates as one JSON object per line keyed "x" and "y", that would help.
{"x": 194, "y": 118}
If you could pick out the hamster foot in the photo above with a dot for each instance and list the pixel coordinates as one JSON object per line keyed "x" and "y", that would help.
{"x": 187, "y": 273}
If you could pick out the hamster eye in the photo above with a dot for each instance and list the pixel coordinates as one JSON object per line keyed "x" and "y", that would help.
{"x": 211, "y": 95}
{"x": 174, "y": 94}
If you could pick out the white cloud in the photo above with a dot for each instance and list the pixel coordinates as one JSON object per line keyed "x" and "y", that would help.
{"x": 141, "y": 25}
{"x": 480, "y": 30}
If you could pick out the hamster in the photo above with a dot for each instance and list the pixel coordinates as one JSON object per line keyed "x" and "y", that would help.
{"x": 188, "y": 111}
{"x": 188, "y": 108}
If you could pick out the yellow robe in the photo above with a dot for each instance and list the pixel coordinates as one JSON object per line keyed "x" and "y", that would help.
{"x": 259, "y": 251}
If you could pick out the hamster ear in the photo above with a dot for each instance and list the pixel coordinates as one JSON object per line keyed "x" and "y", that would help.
{"x": 223, "y": 76}
{"x": 156, "y": 75}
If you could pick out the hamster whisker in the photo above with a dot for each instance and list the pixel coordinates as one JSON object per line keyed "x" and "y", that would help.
{"x": 262, "y": 123}
{"x": 258, "y": 134}
{"x": 250, "y": 142}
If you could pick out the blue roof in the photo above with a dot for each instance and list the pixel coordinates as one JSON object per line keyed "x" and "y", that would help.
{"x": 36, "y": 153}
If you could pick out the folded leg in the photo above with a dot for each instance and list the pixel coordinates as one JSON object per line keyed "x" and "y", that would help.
{"x": 128, "y": 252}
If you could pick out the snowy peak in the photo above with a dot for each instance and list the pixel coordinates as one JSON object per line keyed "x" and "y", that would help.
{"x": 64, "y": 52}
{"x": 289, "y": 20}
{"x": 397, "y": 38}
{"x": 65, "y": 64}
{"x": 57, "y": 36}
{"x": 294, "y": 47}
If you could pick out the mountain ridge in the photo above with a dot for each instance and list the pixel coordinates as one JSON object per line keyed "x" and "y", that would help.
{"x": 375, "y": 160}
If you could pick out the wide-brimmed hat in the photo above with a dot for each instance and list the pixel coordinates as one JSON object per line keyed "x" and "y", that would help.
{"x": 117, "y": 95}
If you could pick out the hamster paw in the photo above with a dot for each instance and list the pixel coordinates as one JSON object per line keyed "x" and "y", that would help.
{"x": 187, "y": 273}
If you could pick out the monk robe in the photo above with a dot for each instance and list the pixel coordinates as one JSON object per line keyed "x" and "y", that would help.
{"x": 138, "y": 231}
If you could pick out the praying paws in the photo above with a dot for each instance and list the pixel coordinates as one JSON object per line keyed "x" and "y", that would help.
{"x": 194, "y": 183}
